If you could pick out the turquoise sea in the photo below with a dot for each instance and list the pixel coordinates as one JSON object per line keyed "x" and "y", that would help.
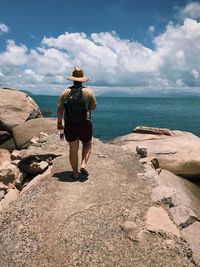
{"x": 117, "y": 116}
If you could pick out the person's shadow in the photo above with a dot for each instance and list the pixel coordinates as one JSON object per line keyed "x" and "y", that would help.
{"x": 67, "y": 176}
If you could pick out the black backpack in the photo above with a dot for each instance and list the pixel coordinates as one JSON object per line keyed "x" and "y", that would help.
{"x": 75, "y": 106}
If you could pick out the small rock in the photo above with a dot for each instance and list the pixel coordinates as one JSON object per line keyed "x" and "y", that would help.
{"x": 132, "y": 230}
{"x": 10, "y": 173}
{"x": 16, "y": 155}
{"x": 102, "y": 155}
{"x": 155, "y": 163}
{"x": 11, "y": 196}
{"x": 15, "y": 162}
{"x": 142, "y": 151}
{"x": 42, "y": 135}
{"x": 38, "y": 167}
{"x": 158, "y": 221}
{"x": 34, "y": 140}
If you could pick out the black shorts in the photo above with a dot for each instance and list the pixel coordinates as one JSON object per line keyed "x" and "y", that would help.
{"x": 82, "y": 130}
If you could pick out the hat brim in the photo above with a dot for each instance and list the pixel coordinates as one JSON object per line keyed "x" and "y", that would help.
{"x": 78, "y": 79}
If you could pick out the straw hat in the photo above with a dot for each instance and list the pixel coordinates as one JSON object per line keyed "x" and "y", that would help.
{"x": 77, "y": 75}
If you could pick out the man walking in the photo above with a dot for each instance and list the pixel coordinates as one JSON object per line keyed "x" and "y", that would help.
{"x": 77, "y": 102}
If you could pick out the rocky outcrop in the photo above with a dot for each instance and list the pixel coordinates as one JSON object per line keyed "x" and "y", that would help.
{"x": 181, "y": 199}
{"x": 24, "y": 132}
{"x": 91, "y": 222}
{"x": 177, "y": 152}
{"x": 124, "y": 214}
{"x": 21, "y": 167}
{"x": 16, "y": 108}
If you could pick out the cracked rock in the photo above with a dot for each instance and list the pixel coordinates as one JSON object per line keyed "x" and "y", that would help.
{"x": 158, "y": 221}
{"x": 183, "y": 216}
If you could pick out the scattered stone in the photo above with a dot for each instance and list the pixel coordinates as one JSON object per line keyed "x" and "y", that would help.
{"x": 38, "y": 167}
{"x": 155, "y": 163}
{"x": 192, "y": 235}
{"x": 151, "y": 130}
{"x": 34, "y": 167}
{"x": 132, "y": 230}
{"x": 15, "y": 155}
{"x": 178, "y": 153}
{"x": 151, "y": 160}
{"x": 142, "y": 151}
{"x": 24, "y": 132}
{"x": 102, "y": 155}
{"x": 34, "y": 141}
{"x": 35, "y": 164}
{"x": 9, "y": 173}
{"x": 158, "y": 221}
{"x": 183, "y": 216}
{"x": 16, "y": 162}
{"x": 11, "y": 196}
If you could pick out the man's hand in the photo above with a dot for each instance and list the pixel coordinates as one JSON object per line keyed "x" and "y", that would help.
{"x": 60, "y": 126}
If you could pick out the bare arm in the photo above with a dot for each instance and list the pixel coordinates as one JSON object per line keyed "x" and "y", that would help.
{"x": 93, "y": 106}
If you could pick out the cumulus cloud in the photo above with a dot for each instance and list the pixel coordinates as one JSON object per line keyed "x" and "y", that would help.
{"x": 192, "y": 10}
{"x": 108, "y": 60}
{"x": 3, "y": 28}
{"x": 15, "y": 55}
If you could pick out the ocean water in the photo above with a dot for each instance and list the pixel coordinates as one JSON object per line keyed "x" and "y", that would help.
{"x": 116, "y": 116}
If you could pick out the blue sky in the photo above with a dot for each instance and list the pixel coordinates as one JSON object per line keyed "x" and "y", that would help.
{"x": 134, "y": 46}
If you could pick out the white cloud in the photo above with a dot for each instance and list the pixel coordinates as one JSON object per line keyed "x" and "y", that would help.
{"x": 3, "y": 28}
{"x": 108, "y": 60}
{"x": 14, "y": 55}
{"x": 32, "y": 76}
{"x": 192, "y": 10}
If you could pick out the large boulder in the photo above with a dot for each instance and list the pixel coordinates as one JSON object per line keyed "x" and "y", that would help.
{"x": 177, "y": 152}
{"x": 24, "y": 132}
{"x": 15, "y": 108}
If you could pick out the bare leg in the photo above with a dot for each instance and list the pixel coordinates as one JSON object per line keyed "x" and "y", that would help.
{"x": 86, "y": 151}
{"x": 73, "y": 156}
